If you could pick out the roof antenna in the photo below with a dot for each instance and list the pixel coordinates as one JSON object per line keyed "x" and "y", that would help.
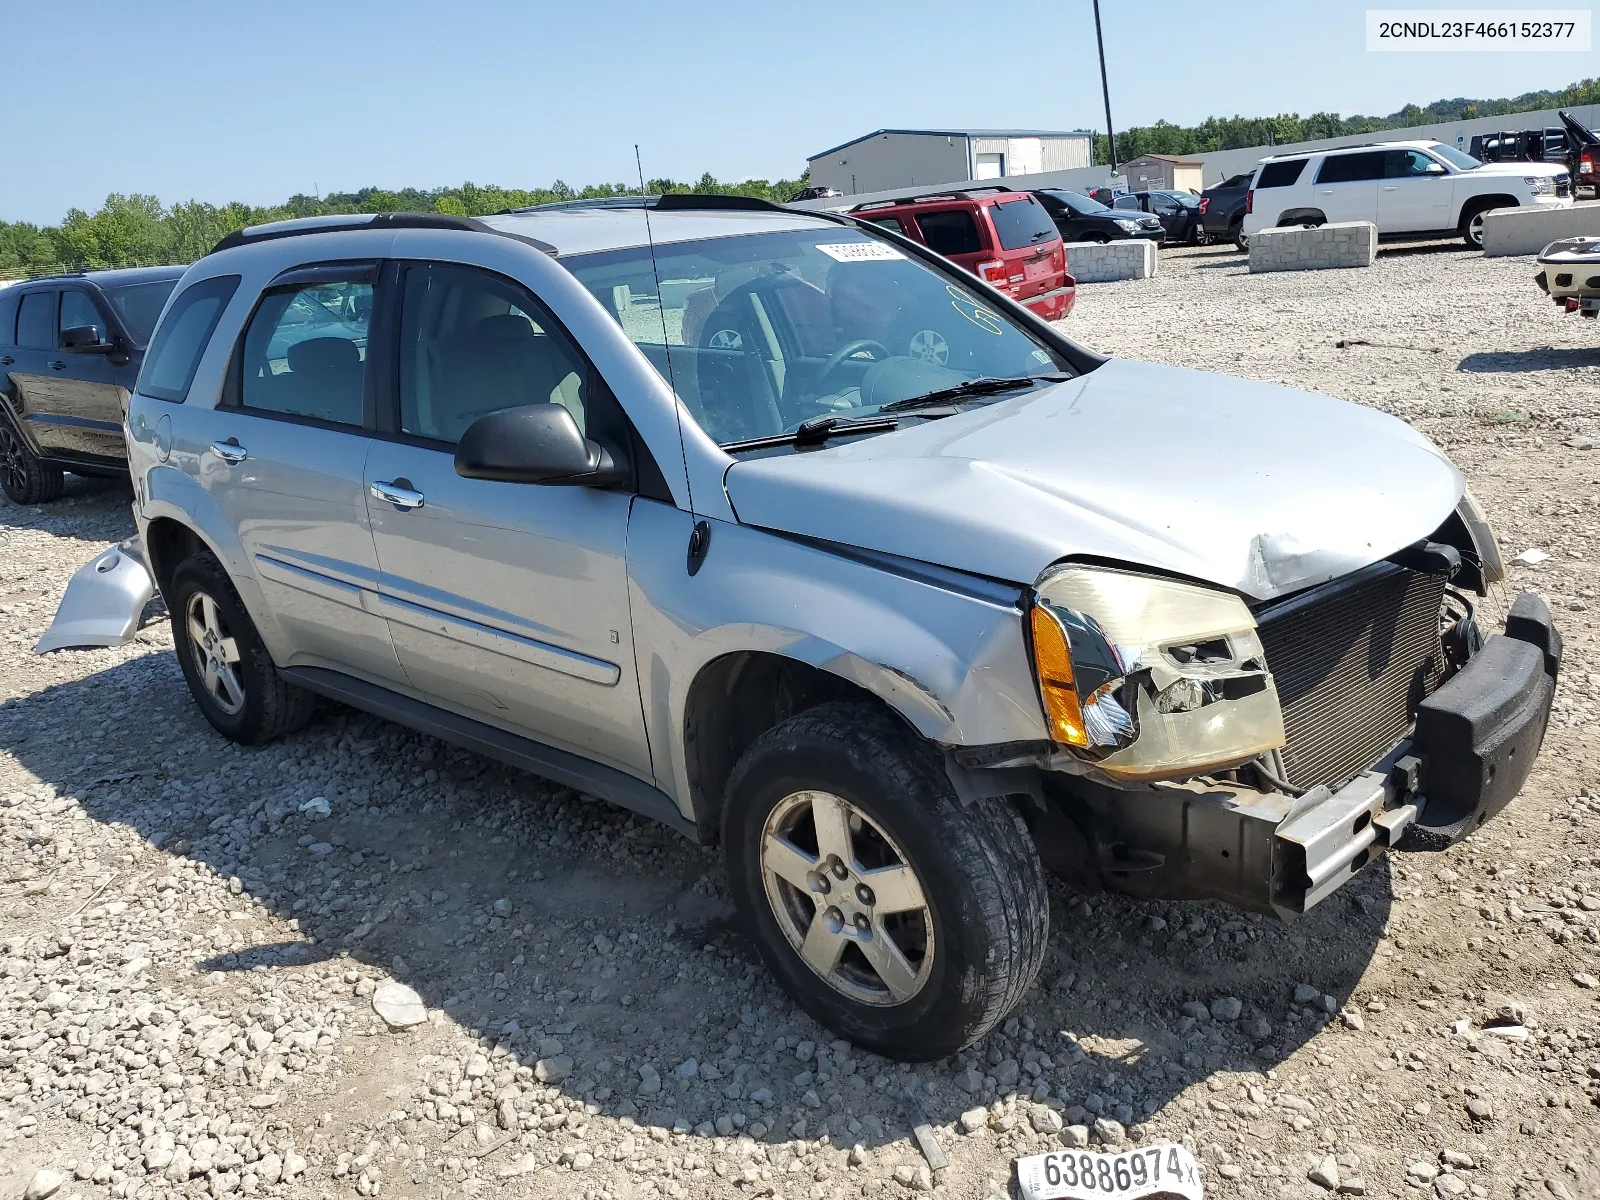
{"x": 661, "y": 308}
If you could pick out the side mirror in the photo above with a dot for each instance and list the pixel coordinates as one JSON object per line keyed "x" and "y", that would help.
{"x": 1437, "y": 169}
{"x": 537, "y": 443}
{"x": 85, "y": 339}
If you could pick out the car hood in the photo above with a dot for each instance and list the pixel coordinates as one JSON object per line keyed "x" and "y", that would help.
{"x": 1518, "y": 168}
{"x": 1258, "y": 488}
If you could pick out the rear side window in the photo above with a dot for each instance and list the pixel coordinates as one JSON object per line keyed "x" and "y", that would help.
{"x": 1280, "y": 174}
{"x": 950, "y": 231}
{"x": 36, "y": 321}
{"x": 175, "y": 356}
{"x": 1351, "y": 168}
{"x": 889, "y": 223}
{"x": 1021, "y": 223}
{"x": 305, "y": 352}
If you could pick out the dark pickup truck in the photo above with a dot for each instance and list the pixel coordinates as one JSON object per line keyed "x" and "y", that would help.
{"x": 1573, "y": 143}
{"x": 70, "y": 351}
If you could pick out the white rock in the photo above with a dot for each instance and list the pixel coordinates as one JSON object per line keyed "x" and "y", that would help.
{"x": 555, "y": 1069}
{"x": 1075, "y": 1137}
{"x": 45, "y": 1183}
{"x": 398, "y": 1005}
{"x": 1325, "y": 1173}
{"x": 973, "y": 1120}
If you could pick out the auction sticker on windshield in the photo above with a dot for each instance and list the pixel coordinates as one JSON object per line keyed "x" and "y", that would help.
{"x": 860, "y": 251}
{"x": 1163, "y": 1169}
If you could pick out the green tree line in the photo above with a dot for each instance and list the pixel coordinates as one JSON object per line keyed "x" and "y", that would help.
{"x": 1233, "y": 133}
{"x": 133, "y": 230}
{"x": 137, "y": 230}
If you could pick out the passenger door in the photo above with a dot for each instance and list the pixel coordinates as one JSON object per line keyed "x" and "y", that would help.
{"x": 1347, "y": 186}
{"x": 87, "y": 397}
{"x": 283, "y": 459}
{"x": 1414, "y": 194}
{"x": 33, "y": 374}
{"x": 507, "y": 602}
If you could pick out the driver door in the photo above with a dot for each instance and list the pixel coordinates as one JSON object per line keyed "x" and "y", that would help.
{"x": 1414, "y": 194}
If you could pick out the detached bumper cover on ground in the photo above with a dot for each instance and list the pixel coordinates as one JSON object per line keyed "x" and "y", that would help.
{"x": 103, "y": 602}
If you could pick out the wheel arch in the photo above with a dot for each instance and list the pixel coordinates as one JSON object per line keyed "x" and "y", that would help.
{"x": 1302, "y": 216}
{"x": 1474, "y": 205}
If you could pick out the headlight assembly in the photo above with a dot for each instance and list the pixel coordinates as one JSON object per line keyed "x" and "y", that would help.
{"x": 1148, "y": 678}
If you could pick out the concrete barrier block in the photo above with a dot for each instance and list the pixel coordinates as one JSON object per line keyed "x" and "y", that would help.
{"x": 1096, "y": 262}
{"x": 1529, "y": 230}
{"x": 1293, "y": 248}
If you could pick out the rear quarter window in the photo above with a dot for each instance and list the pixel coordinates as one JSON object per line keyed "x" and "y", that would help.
{"x": 1021, "y": 223}
{"x": 8, "y": 317}
{"x": 950, "y": 231}
{"x": 182, "y": 338}
{"x": 1281, "y": 174}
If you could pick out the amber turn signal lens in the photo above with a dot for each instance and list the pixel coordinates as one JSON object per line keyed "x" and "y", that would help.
{"x": 1053, "y": 658}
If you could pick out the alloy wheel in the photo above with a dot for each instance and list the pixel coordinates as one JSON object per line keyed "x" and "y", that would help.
{"x": 13, "y": 460}
{"x": 1475, "y": 229}
{"x": 847, "y": 898}
{"x": 216, "y": 653}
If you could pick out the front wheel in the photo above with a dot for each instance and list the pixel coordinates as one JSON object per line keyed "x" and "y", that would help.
{"x": 1472, "y": 226}
{"x": 898, "y": 917}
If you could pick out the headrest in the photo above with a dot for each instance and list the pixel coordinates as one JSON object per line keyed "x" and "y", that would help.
{"x": 506, "y": 327}
{"x": 324, "y": 355}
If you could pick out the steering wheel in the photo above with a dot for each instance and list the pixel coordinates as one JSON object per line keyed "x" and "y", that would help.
{"x": 880, "y": 352}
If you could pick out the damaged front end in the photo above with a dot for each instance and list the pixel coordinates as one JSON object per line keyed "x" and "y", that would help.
{"x": 1203, "y": 748}
{"x": 104, "y": 601}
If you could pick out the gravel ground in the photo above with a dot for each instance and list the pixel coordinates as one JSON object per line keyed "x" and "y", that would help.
{"x": 193, "y": 936}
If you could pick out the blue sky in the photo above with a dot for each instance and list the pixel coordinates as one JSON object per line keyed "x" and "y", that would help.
{"x": 226, "y": 101}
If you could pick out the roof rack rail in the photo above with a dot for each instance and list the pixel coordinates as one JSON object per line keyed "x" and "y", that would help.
{"x": 585, "y": 203}
{"x": 690, "y": 201}
{"x": 925, "y": 197}
{"x": 345, "y": 222}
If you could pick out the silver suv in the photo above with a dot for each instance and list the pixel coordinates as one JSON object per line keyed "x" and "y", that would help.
{"x": 783, "y": 531}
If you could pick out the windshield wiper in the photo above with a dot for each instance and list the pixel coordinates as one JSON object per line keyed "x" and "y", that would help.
{"x": 815, "y": 431}
{"x": 984, "y": 385}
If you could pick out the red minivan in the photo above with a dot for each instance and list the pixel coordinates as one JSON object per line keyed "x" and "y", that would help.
{"x": 1005, "y": 238}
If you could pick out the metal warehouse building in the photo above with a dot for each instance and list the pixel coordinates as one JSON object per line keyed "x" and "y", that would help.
{"x": 896, "y": 158}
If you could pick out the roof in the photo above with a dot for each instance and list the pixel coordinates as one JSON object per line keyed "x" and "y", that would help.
{"x": 1171, "y": 158}
{"x": 1409, "y": 143}
{"x": 961, "y": 133}
{"x": 114, "y": 277}
{"x": 593, "y": 229}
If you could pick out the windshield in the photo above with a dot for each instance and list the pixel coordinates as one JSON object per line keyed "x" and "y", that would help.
{"x": 1462, "y": 162}
{"x": 1080, "y": 204}
{"x": 1187, "y": 199}
{"x": 760, "y": 332}
{"x": 139, "y": 304}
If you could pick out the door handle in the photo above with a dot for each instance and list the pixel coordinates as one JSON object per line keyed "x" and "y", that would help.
{"x": 1391, "y": 187}
{"x": 6, "y": 360}
{"x": 396, "y": 492}
{"x": 58, "y": 365}
{"x": 229, "y": 452}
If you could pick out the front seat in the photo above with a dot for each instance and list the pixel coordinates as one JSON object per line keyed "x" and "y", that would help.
{"x": 326, "y": 373}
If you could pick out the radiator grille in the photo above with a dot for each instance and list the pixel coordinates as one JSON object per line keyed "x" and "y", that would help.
{"x": 1352, "y": 659}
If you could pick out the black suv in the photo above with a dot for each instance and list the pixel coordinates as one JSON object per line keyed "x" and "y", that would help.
{"x": 70, "y": 350}
{"x": 1081, "y": 219}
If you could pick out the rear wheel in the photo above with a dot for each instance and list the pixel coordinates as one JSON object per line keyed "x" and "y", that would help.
{"x": 1099, "y": 239}
{"x": 909, "y": 923}
{"x": 1240, "y": 238}
{"x": 228, "y": 669}
{"x": 25, "y": 479}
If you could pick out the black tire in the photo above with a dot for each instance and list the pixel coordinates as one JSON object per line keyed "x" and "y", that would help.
{"x": 1240, "y": 239}
{"x": 1098, "y": 238}
{"x": 983, "y": 885}
{"x": 25, "y": 479}
{"x": 270, "y": 706}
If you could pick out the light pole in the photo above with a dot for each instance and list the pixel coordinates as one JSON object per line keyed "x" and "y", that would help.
{"x": 1105, "y": 88}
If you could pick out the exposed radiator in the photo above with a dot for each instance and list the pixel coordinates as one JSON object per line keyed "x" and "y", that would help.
{"x": 1352, "y": 659}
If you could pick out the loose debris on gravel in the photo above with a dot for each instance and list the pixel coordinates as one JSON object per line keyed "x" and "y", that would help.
{"x": 363, "y": 962}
